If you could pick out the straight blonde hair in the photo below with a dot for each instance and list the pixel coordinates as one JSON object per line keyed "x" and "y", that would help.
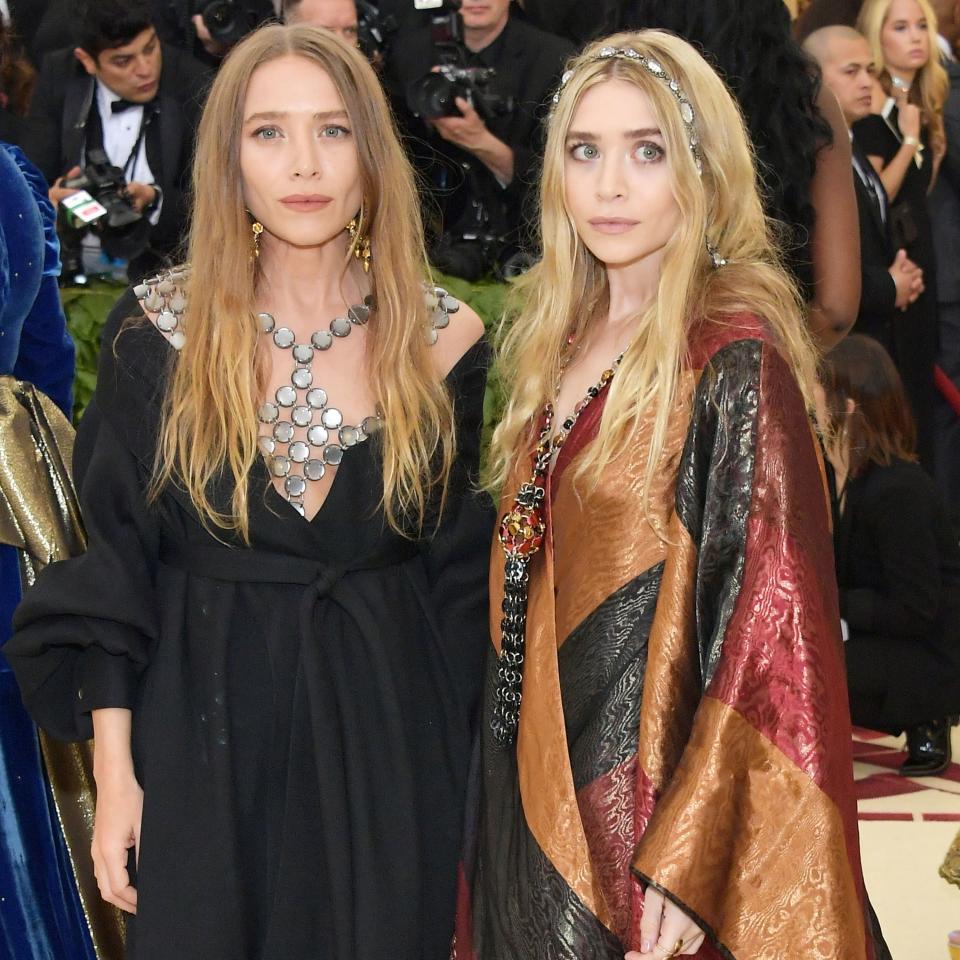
{"x": 932, "y": 82}
{"x": 567, "y": 291}
{"x": 209, "y": 421}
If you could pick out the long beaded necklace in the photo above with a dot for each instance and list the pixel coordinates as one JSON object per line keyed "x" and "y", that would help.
{"x": 521, "y": 534}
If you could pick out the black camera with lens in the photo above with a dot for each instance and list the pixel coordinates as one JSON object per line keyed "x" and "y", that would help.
{"x": 374, "y": 30}
{"x": 106, "y": 184}
{"x": 227, "y": 21}
{"x": 435, "y": 94}
{"x": 123, "y": 230}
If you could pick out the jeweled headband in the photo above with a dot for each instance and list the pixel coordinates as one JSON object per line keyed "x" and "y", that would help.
{"x": 654, "y": 68}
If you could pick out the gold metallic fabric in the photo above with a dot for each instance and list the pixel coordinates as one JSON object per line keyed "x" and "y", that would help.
{"x": 39, "y": 516}
{"x": 950, "y": 869}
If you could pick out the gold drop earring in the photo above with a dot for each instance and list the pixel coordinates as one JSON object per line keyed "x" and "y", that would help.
{"x": 360, "y": 243}
{"x": 256, "y": 228}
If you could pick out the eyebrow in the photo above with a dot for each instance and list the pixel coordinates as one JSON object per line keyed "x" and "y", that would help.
{"x": 280, "y": 114}
{"x": 127, "y": 54}
{"x": 628, "y": 135}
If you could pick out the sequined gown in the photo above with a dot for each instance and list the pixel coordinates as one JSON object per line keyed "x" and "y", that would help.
{"x": 684, "y": 720}
{"x": 302, "y": 707}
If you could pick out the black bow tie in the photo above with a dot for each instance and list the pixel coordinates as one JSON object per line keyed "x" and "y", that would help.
{"x": 118, "y": 106}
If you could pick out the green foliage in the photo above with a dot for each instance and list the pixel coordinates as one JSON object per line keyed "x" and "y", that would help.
{"x": 488, "y": 298}
{"x": 86, "y": 309}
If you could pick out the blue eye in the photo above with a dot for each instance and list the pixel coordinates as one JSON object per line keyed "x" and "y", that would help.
{"x": 650, "y": 152}
{"x": 584, "y": 151}
{"x": 267, "y": 133}
{"x": 335, "y": 132}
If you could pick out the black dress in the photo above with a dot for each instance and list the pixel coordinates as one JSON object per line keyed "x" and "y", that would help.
{"x": 898, "y": 567}
{"x": 914, "y": 331}
{"x": 303, "y": 707}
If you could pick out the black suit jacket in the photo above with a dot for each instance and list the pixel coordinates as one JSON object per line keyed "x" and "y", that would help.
{"x": 44, "y": 25}
{"x": 878, "y": 292}
{"x": 529, "y": 64}
{"x": 62, "y": 105}
{"x": 898, "y": 566}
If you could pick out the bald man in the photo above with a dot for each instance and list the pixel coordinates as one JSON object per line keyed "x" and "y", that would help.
{"x": 890, "y": 282}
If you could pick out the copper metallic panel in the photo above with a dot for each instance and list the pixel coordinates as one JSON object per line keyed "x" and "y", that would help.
{"x": 671, "y": 688}
{"x": 602, "y": 538}
{"x": 770, "y": 875}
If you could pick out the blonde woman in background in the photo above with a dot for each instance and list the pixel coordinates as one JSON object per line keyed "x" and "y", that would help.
{"x": 276, "y": 635}
{"x": 905, "y": 142}
{"x": 666, "y": 750}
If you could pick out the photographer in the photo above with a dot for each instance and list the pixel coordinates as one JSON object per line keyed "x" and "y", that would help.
{"x": 337, "y": 16}
{"x": 207, "y": 29}
{"x": 356, "y": 22}
{"x": 480, "y": 158}
{"x": 124, "y": 94}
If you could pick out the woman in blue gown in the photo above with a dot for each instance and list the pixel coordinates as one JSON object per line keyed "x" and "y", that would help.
{"x": 40, "y": 913}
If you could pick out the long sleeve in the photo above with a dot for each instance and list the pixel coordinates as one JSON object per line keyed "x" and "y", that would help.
{"x": 748, "y": 803}
{"x": 901, "y": 522}
{"x": 456, "y": 558}
{"x": 83, "y": 633}
{"x": 42, "y": 140}
{"x": 878, "y": 292}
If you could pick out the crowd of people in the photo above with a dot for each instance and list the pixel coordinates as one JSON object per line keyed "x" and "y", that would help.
{"x": 728, "y": 468}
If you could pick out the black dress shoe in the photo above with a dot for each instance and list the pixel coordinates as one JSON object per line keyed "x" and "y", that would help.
{"x": 928, "y": 749}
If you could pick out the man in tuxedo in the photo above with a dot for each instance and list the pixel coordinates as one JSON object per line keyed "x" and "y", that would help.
{"x": 480, "y": 163}
{"x": 123, "y": 92}
{"x": 890, "y": 281}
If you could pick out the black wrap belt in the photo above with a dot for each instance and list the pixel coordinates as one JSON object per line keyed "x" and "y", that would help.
{"x": 321, "y": 580}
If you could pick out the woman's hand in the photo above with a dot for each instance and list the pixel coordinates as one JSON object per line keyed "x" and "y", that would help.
{"x": 664, "y": 927}
{"x": 116, "y": 829}
{"x": 908, "y": 119}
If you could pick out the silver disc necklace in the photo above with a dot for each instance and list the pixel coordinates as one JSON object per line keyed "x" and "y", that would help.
{"x": 304, "y": 405}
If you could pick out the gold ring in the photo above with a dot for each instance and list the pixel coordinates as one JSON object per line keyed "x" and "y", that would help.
{"x": 678, "y": 946}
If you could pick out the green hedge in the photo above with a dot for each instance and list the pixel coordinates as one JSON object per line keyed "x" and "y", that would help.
{"x": 87, "y": 308}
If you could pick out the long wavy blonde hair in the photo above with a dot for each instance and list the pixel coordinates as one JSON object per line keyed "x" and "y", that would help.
{"x": 567, "y": 291}
{"x": 929, "y": 89}
{"x": 209, "y": 424}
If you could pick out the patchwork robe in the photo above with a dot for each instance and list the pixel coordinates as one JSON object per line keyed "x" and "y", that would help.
{"x": 684, "y": 720}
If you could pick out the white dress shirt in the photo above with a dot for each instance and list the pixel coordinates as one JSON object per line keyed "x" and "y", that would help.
{"x": 120, "y": 132}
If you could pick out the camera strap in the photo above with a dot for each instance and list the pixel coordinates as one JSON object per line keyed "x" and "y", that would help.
{"x": 131, "y": 163}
